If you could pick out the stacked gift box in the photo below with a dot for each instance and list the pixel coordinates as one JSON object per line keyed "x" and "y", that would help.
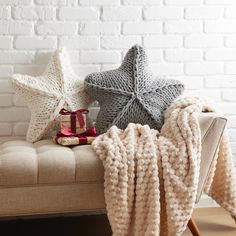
{"x": 73, "y": 128}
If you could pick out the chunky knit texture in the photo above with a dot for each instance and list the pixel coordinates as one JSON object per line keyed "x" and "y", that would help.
{"x": 151, "y": 178}
{"x": 131, "y": 93}
{"x": 47, "y": 94}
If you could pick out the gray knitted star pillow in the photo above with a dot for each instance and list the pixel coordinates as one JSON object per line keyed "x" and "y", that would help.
{"x": 131, "y": 93}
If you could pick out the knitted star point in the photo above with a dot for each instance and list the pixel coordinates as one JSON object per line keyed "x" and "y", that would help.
{"x": 131, "y": 94}
{"x": 47, "y": 94}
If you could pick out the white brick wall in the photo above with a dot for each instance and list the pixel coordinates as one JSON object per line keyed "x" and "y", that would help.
{"x": 190, "y": 40}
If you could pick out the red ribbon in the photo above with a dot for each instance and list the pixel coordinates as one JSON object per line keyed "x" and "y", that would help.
{"x": 73, "y": 115}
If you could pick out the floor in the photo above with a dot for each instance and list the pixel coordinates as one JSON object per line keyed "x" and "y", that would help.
{"x": 211, "y": 221}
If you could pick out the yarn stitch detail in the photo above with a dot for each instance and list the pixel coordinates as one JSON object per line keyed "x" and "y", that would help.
{"x": 131, "y": 93}
{"x": 47, "y": 94}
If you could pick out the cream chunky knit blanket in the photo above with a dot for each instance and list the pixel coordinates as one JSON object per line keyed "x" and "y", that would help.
{"x": 151, "y": 178}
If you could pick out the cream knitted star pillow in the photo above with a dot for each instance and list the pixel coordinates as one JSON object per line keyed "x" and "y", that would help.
{"x": 45, "y": 95}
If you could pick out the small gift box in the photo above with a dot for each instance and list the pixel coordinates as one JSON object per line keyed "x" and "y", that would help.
{"x": 73, "y": 120}
{"x": 66, "y": 138}
{"x": 72, "y": 141}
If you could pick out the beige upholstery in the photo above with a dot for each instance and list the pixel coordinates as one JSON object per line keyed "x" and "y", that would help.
{"x": 45, "y": 178}
{"x": 212, "y": 128}
{"x": 44, "y": 162}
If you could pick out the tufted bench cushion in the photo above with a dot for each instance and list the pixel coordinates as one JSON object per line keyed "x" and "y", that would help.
{"x": 45, "y": 178}
{"x": 23, "y": 163}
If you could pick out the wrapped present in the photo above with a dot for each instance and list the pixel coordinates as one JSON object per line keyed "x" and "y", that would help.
{"x": 73, "y": 120}
{"x": 66, "y": 138}
{"x": 72, "y": 141}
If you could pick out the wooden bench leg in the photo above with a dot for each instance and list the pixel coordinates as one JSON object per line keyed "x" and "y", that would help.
{"x": 193, "y": 228}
